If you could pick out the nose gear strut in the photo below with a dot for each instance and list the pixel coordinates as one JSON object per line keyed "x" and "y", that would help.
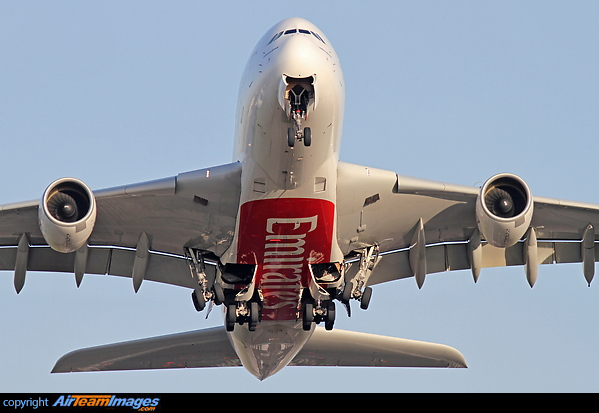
{"x": 298, "y": 96}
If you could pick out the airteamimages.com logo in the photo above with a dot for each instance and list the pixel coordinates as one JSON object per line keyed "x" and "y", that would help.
{"x": 142, "y": 404}
{"x": 78, "y": 401}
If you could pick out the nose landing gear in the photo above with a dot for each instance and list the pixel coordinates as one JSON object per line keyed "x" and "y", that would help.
{"x": 298, "y": 95}
{"x": 296, "y": 133}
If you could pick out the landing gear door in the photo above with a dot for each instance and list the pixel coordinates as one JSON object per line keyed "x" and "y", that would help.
{"x": 282, "y": 93}
{"x": 286, "y": 92}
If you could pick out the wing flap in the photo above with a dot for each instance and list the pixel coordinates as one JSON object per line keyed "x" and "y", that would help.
{"x": 348, "y": 348}
{"x": 200, "y": 348}
{"x": 452, "y": 257}
{"x": 169, "y": 269}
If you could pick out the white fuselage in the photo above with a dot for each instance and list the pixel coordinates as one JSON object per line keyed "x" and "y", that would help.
{"x": 286, "y": 218}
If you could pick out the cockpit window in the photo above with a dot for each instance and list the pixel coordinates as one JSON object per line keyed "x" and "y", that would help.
{"x": 318, "y": 37}
{"x": 275, "y": 37}
{"x": 292, "y": 31}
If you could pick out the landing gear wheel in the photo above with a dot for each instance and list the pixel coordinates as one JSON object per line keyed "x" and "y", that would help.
{"x": 254, "y": 316}
{"x": 307, "y": 136}
{"x": 330, "y": 317}
{"x": 347, "y": 290}
{"x": 365, "y": 300}
{"x": 198, "y": 300}
{"x": 307, "y": 316}
{"x": 231, "y": 317}
{"x": 219, "y": 294}
{"x": 291, "y": 137}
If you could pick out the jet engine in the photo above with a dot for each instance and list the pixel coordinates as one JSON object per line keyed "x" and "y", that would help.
{"x": 504, "y": 208}
{"x": 67, "y": 214}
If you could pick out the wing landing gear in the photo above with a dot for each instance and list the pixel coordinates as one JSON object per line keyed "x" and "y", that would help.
{"x": 356, "y": 287}
{"x": 207, "y": 290}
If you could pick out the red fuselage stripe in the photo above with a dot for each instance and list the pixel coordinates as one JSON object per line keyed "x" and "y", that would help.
{"x": 282, "y": 237}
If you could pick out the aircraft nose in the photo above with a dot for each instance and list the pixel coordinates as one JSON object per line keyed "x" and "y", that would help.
{"x": 299, "y": 56}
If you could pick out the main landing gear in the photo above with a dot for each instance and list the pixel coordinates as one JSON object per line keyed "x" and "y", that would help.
{"x": 242, "y": 306}
{"x": 355, "y": 287}
{"x": 241, "y": 313}
{"x": 318, "y": 304}
{"x": 330, "y": 282}
{"x": 207, "y": 290}
{"x": 317, "y": 312}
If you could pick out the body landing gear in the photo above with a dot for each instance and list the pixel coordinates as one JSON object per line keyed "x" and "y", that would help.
{"x": 316, "y": 313}
{"x": 241, "y": 313}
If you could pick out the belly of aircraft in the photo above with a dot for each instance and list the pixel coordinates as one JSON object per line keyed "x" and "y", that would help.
{"x": 282, "y": 238}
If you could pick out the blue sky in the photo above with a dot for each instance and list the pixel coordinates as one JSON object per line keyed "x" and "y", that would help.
{"x": 116, "y": 92}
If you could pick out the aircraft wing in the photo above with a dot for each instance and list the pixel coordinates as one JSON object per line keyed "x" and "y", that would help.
{"x": 153, "y": 219}
{"x": 424, "y": 227}
{"x": 211, "y": 348}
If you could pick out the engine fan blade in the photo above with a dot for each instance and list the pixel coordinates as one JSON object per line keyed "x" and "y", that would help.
{"x": 500, "y": 203}
{"x": 63, "y": 207}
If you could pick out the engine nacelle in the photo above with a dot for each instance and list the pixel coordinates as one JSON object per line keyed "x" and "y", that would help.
{"x": 504, "y": 210}
{"x": 67, "y": 214}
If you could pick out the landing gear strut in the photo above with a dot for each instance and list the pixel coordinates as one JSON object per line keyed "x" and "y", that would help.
{"x": 355, "y": 287}
{"x": 298, "y": 99}
{"x": 207, "y": 290}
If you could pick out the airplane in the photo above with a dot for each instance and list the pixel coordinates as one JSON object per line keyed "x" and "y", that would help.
{"x": 287, "y": 234}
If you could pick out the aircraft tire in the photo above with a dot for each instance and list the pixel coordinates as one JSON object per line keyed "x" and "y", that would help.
{"x": 307, "y": 316}
{"x": 219, "y": 294}
{"x": 307, "y": 136}
{"x": 347, "y": 289}
{"x": 231, "y": 317}
{"x": 330, "y": 317}
{"x": 198, "y": 302}
{"x": 366, "y": 296}
{"x": 254, "y": 316}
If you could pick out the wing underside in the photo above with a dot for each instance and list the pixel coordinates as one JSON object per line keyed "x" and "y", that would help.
{"x": 423, "y": 227}
{"x": 149, "y": 225}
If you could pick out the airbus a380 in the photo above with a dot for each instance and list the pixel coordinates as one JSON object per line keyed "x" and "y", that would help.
{"x": 287, "y": 235}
